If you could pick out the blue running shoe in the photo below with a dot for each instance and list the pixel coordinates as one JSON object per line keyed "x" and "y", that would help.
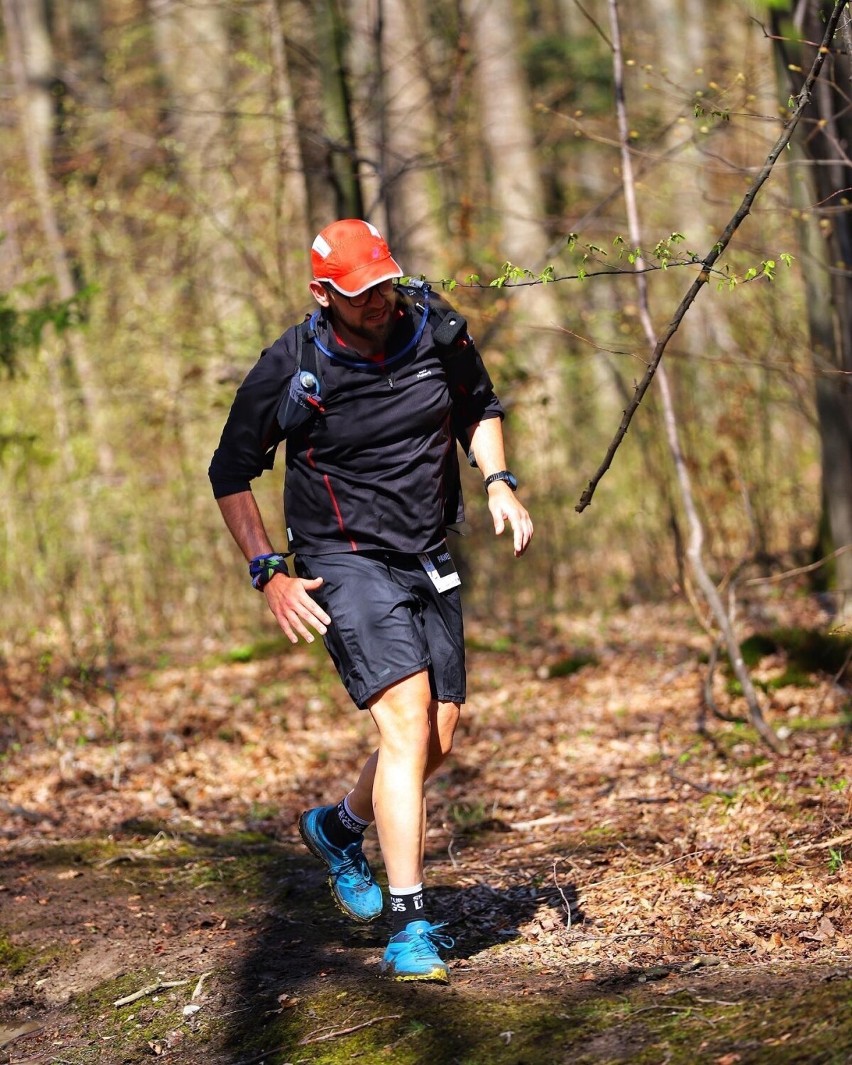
{"x": 349, "y": 877}
{"x": 413, "y": 953}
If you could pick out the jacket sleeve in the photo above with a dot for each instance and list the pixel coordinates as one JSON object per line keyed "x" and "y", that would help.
{"x": 251, "y": 433}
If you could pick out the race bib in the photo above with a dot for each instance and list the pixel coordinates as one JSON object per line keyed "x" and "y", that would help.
{"x": 439, "y": 564}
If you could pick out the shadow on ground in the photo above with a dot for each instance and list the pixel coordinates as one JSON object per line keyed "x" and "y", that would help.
{"x": 230, "y": 952}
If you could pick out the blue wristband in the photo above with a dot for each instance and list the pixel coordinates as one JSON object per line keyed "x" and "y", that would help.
{"x": 264, "y": 567}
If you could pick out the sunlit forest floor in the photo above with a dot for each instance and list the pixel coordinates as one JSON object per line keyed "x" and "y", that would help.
{"x": 620, "y": 887}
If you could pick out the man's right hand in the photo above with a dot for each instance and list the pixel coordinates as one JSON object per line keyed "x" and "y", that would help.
{"x": 294, "y": 608}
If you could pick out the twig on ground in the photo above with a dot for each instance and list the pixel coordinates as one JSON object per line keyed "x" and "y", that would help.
{"x": 843, "y": 668}
{"x": 549, "y": 819}
{"x": 787, "y": 851}
{"x": 29, "y": 1028}
{"x": 691, "y": 1010}
{"x": 128, "y": 856}
{"x": 151, "y": 990}
{"x": 348, "y": 1031}
{"x": 565, "y": 901}
{"x": 641, "y": 872}
{"x": 258, "y": 1058}
{"x": 450, "y": 854}
{"x": 703, "y": 788}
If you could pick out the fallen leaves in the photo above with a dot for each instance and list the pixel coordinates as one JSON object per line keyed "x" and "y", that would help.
{"x": 581, "y": 817}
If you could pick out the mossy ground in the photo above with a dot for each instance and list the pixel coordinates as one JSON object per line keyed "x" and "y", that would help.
{"x": 271, "y": 972}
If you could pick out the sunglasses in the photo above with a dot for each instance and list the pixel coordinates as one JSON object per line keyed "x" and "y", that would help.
{"x": 384, "y": 288}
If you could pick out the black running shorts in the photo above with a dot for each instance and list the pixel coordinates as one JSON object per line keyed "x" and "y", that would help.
{"x": 388, "y": 621}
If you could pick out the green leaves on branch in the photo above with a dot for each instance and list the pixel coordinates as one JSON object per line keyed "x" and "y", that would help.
{"x": 662, "y": 256}
{"x": 593, "y": 260}
{"x": 766, "y": 271}
{"x": 21, "y": 328}
{"x": 514, "y": 275}
{"x": 712, "y": 112}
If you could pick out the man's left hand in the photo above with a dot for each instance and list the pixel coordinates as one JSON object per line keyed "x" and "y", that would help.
{"x": 505, "y": 507}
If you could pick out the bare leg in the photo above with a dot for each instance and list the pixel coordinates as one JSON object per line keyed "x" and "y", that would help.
{"x": 401, "y": 713}
{"x": 443, "y": 718}
{"x": 361, "y": 796}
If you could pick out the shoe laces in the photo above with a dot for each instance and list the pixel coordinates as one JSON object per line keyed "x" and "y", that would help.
{"x": 428, "y": 940}
{"x": 356, "y": 862}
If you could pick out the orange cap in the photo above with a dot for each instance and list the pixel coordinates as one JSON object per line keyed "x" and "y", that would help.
{"x": 353, "y": 256}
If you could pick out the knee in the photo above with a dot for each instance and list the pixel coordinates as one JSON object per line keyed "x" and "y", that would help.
{"x": 410, "y": 728}
{"x": 404, "y": 727}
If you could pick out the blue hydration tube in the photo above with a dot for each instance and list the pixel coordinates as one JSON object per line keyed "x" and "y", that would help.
{"x": 369, "y": 364}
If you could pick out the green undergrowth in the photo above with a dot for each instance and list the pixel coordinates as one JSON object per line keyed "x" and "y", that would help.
{"x": 13, "y": 959}
{"x": 151, "y": 848}
{"x": 494, "y": 645}
{"x": 567, "y": 667}
{"x": 258, "y": 650}
{"x": 807, "y": 650}
{"x": 803, "y": 654}
{"x": 263, "y": 648}
{"x": 411, "y": 1025}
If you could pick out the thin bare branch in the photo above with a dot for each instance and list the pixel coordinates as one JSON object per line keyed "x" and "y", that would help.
{"x": 694, "y": 550}
{"x": 708, "y": 700}
{"x": 715, "y": 252}
{"x": 790, "y": 573}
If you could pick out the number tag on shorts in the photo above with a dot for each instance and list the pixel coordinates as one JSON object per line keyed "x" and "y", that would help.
{"x": 439, "y": 564}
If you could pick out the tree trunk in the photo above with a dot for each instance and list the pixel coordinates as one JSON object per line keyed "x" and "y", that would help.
{"x": 518, "y": 207}
{"x": 291, "y": 214}
{"x": 317, "y": 33}
{"x": 31, "y": 61}
{"x": 305, "y": 61}
{"x": 333, "y": 33}
{"x": 407, "y": 142}
{"x": 192, "y": 52}
{"x": 825, "y": 140}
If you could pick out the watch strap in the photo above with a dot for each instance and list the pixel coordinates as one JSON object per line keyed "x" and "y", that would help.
{"x": 501, "y": 475}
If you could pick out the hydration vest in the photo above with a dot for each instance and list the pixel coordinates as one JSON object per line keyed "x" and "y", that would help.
{"x": 301, "y": 401}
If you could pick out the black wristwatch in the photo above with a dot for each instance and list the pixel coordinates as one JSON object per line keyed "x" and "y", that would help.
{"x": 503, "y": 475}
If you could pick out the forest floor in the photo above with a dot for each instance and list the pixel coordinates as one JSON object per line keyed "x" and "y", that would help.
{"x": 620, "y": 886}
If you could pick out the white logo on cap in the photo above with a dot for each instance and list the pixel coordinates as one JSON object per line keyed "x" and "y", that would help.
{"x": 321, "y": 246}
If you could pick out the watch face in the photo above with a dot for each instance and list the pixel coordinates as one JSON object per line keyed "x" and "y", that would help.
{"x": 512, "y": 481}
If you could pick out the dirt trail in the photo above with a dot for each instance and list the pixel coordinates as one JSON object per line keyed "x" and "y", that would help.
{"x": 619, "y": 889}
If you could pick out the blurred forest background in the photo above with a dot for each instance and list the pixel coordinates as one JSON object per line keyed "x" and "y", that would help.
{"x": 166, "y": 163}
